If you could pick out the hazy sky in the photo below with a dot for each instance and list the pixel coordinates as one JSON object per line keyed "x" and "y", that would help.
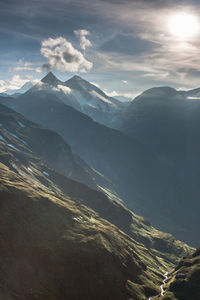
{"x": 125, "y": 46}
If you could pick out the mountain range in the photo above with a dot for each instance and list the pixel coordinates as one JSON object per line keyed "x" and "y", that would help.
{"x": 148, "y": 153}
{"x": 136, "y": 173}
{"x": 57, "y": 232}
{"x": 76, "y": 169}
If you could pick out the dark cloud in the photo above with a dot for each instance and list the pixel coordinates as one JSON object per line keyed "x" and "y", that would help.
{"x": 154, "y": 3}
{"x": 127, "y": 44}
{"x": 189, "y": 72}
{"x": 46, "y": 17}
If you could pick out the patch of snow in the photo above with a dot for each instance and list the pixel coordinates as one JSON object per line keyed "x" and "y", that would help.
{"x": 79, "y": 219}
{"x": 15, "y": 136}
{"x": 45, "y": 173}
{"x": 96, "y": 102}
{"x": 2, "y": 139}
{"x": 102, "y": 98}
{"x": 10, "y": 145}
{"x": 20, "y": 124}
{"x": 29, "y": 169}
{"x": 91, "y": 105}
{"x": 65, "y": 89}
{"x": 193, "y": 98}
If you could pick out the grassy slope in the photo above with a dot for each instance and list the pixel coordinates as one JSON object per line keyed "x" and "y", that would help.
{"x": 53, "y": 248}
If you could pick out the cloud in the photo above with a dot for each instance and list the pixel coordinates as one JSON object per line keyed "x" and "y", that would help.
{"x": 94, "y": 83}
{"x": 152, "y": 3}
{"x": 111, "y": 94}
{"x": 84, "y": 42}
{"x": 15, "y": 83}
{"x": 66, "y": 90}
{"x": 62, "y": 56}
{"x": 25, "y": 66}
{"x": 128, "y": 44}
{"x": 129, "y": 96}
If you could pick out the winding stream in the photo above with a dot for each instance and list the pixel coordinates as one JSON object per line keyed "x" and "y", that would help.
{"x": 162, "y": 286}
{"x": 164, "y": 282}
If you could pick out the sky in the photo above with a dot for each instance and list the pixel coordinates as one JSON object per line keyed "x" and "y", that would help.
{"x": 123, "y": 46}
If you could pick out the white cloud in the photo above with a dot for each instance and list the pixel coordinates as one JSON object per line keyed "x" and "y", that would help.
{"x": 66, "y": 90}
{"x": 94, "y": 83}
{"x": 193, "y": 98}
{"x": 26, "y": 66}
{"x": 84, "y": 42}
{"x": 130, "y": 95}
{"x": 15, "y": 83}
{"x": 111, "y": 94}
{"x": 62, "y": 56}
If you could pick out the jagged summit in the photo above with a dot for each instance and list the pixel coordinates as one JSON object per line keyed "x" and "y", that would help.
{"x": 76, "y": 81}
{"x": 51, "y": 79}
{"x": 76, "y": 77}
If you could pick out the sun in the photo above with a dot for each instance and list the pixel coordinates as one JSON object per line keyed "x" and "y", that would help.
{"x": 184, "y": 26}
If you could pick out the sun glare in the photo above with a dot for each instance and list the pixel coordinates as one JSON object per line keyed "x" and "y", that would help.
{"x": 184, "y": 26}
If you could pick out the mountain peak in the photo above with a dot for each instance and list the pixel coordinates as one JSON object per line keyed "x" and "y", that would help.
{"x": 51, "y": 79}
{"x": 77, "y": 77}
{"x": 162, "y": 93}
{"x": 77, "y": 82}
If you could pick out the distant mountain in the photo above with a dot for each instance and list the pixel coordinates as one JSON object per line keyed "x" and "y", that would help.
{"x": 81, "y": 95}
{"x": 63, "y": 240}
{"x": 21, "y": 90}
{"x": 167, "y": 122}
{"x": 151, "y": 115}
{"x": 123, "y": 98}
{"x": 191, "y": 94}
